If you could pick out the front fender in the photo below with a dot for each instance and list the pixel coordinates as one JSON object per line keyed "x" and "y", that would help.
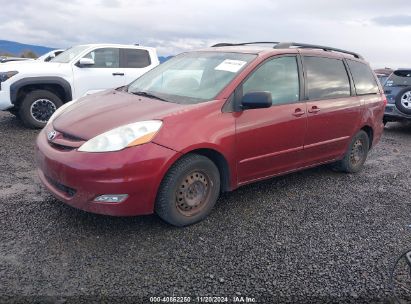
{"x": 16, "y": 86}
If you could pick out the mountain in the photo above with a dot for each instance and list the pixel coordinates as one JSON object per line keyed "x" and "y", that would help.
{"x": 17, "y": 48}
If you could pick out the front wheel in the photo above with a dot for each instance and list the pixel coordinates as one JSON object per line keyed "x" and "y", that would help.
{"x": 37, "y": 108}
{"x": 356, "y": 154}
{"x": 188, "y": 191}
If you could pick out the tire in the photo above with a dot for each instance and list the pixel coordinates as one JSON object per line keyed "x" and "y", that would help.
{"x": 37, "y": 107}
{"x": 14, "y": 112}
{"x": 354, "y": 159}
{"x": 188, "y": 191}
{"x": 403, "y": 101}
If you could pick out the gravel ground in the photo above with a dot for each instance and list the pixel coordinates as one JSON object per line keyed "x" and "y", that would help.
{"x": 312, "y": 236}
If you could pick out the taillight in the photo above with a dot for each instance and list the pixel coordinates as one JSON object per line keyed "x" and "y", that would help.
{"x": 384, "y": 99}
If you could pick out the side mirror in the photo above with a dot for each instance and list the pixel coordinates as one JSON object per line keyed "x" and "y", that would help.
{"x": 85, "y": 62}
{"x": 256, "y": 100}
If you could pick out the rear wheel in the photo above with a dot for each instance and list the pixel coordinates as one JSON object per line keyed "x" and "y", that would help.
{"x": 356, "y": 154}
{"x": 189, "y": 191}
{"x": 37, "y": 108}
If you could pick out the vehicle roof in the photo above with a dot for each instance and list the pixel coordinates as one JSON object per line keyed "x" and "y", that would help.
{"x": 268, "y": 50}
{"x": 116, "y": 45}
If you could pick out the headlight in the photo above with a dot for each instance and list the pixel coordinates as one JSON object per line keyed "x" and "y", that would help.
{"x": 125, "y": 136}
{"x": 59, "y": 111}
{"x": 6, "y": 75}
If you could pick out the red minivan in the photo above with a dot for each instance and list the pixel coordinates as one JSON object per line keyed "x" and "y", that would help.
{"x": 210, "y": 121}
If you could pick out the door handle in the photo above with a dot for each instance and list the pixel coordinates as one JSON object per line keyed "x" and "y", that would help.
{"x": 298, "y": 112}
{"x": 314, "y": 109}
{"x": 118, "y": 74}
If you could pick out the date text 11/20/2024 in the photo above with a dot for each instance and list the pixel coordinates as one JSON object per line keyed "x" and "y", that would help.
{"x": 207, "y": 299}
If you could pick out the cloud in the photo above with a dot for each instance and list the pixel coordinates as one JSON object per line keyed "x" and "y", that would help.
{"x": 398, "y": 20}
{"x": 174, "y": 26}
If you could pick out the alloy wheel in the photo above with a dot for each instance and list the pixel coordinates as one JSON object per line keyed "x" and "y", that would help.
{"x": 42, "y": 109}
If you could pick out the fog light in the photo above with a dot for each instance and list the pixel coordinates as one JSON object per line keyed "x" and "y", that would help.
{"x": 111, "y": 198}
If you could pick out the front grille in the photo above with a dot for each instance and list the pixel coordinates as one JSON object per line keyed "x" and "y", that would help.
{"x": 61, "y": 147}
{"x": 65, "y": 142}
{"x": 71, "y": 137}
{"x": 70, "y": 192}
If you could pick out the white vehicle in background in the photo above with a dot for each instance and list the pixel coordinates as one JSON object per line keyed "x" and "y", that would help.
{"x": 45, "y": 57}
{"x": 50, "y": 55}
{"x": 33, "y": 90}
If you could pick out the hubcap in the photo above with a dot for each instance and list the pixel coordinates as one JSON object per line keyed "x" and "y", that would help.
{"x": 42, "y": 109}
{"x": 193, "y": 193}
{"x": 406, "y": 100}
{"x": 357, "y": 153}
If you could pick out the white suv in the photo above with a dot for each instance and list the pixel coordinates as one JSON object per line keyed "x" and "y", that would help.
{"x": 34, "y": 90}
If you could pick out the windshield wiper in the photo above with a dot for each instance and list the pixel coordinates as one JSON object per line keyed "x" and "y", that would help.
{"x": 147, "y": 94}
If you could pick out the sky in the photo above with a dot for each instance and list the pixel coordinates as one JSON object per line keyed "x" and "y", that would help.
{"x": 377, "y": 29}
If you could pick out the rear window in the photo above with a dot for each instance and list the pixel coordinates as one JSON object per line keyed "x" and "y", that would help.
{"x": 326, "y": 78}
{"x": 136, "y": 58}
{"x": 364, "y": 80}
{"x": 399, "y": 78}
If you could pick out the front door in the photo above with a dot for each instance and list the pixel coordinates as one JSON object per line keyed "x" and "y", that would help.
{"x": 104, "y": 74}
{"x": 270, "y": 141}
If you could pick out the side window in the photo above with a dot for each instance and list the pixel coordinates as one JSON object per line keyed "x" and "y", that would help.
{"x": 134, "y": 58}
{"x": 105, "y": 58}
{"x": 364, "y": 80}
{"x": 326, "y": 78}
{"x": 278, "y": 76}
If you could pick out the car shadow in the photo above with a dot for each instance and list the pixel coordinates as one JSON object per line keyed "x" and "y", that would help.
{"x": 237, "y": 199}
{"x": 9, "y": 121}
{"x": 398, "y": 127}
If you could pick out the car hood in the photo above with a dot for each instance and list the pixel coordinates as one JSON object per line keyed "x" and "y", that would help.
{"x": 101, "y": 112}
{"x": 28, "y": 66}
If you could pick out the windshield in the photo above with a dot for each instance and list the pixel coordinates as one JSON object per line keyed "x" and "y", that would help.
{"x": 69, "y": 54}
{"x": 191, "y": 77}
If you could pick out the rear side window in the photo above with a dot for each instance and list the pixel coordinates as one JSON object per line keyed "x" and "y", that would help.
{"x": 278, "y": 76}
{"x": 134, "y": 58}
{"x": 399, "y": 78}
{"x": 364, "y": 80}
{"x": 326, "y": 78}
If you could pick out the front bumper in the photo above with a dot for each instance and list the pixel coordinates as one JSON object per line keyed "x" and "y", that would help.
{"x": 5, "y": 102}
{"x": 77, "y": 178}
{"x": 391, "y": 113}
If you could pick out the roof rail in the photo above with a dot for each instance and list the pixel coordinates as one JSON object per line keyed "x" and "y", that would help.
{"x": 244, "y": 43}
{"x": 287, "y": 45}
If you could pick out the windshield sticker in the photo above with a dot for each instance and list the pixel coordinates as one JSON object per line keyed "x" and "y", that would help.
{"x": 230, "y": 65}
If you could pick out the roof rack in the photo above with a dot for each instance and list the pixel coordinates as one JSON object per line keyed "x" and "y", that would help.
{"x": 287, "y": 45}
{"x": 243, "y": 43}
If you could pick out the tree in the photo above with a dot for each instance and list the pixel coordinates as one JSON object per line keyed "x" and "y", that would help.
{"x": 7, "y": 54}
{"x": 28, "y": 54}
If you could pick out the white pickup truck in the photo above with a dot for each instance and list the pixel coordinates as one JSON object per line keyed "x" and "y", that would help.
{"x": 33, "y": 90}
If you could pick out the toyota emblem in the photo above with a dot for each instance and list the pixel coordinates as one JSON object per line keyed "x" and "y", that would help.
{"x": 51, "y": 135}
